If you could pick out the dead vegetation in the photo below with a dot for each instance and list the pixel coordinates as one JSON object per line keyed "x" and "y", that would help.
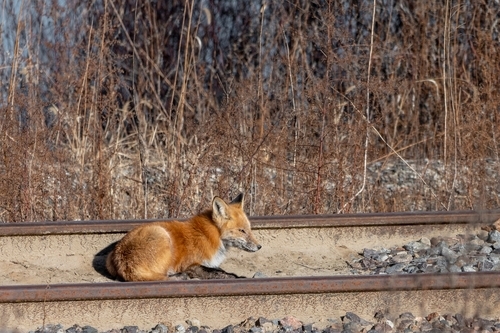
{"x": 130, "y": 109}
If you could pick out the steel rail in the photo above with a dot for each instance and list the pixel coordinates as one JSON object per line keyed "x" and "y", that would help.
{"x": 264, "y": 222}
{"x": 247, "y": 287}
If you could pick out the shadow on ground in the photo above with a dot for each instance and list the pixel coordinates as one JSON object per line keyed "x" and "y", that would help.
{"x": 99, "y": 261}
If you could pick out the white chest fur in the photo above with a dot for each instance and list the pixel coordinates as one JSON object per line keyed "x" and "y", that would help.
{"x": 217, "y": 259}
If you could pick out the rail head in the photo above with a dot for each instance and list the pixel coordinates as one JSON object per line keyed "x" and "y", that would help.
{"x": 264, "y": 222}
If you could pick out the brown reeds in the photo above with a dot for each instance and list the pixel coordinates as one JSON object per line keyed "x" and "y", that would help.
{"x": 129, "y": 109}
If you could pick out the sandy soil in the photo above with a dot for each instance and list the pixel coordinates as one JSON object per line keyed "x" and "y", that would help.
{"x": 71, "y": 267}
{"x": 295, "y": 252}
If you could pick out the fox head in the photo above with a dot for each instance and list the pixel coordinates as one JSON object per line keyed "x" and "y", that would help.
{"x": 233, "y": 224}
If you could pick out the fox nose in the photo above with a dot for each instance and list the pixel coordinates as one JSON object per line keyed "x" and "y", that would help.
{"x": 258, "y": 246}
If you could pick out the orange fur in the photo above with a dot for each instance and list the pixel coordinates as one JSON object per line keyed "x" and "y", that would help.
{"x": 155, "y": 250}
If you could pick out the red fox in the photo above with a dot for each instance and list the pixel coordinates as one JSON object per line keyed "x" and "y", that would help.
{"x": 157, "y": 250}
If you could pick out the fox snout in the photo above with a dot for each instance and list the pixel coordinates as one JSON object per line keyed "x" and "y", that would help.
{"x": 252, "y": 247}
{"x": 242, "y": 244}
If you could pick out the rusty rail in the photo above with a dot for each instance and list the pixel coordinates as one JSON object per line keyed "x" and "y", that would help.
{"x": 264, "y": 222}
{"x": 240, "y": 287}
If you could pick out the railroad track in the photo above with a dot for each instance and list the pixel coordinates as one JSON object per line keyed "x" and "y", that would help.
{"x": 297, "y": 257}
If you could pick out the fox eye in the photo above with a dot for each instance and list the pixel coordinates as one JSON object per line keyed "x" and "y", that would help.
{"x": 243, "y": 231}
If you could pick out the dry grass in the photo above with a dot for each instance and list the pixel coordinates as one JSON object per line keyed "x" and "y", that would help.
{"x": 125, "y": 109}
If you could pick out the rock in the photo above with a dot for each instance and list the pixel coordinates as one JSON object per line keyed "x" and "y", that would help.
{"x": 462, "y": 260}
{"x": 160, "y": 328}
{"x": 355, "y": 318}
{"x": 483, "y": 235}
{"x": 494, "y": 236}
{"x": 268, "y": 327}
{"x": 485, "y": 265}
{"x": 382, "y": 257}
{"x": 307, "y": 328}
{"x": 369, "y": 253}
{"x": 261, "y": 321}
{"x": 468, "y": 268}
{"x": 450, "y": 255}
{"x": 228, "y": 329}
{"x": 382, "y": 327}
{"x": 397, "y": 268}
{"x": 192, "y": 329}
{"x": 49, "y": 328}
{"x": 291, "y": 322}
{"x": 330, "y": 329}
{"x": 379, "y": 315}
{"x": 74, "y": 329}
{"x": 130, "y": 329}
{"x": 417, "y": 246}
{"x": 486, "y": 250}
{"x": 476, "y": 241}
{"x": 259, "y": 275}
{"x": 181, "y": 329}
{"x": 411, "y": 269}
{"x": 89, "y": 329}
{"x": 402, "y": 258}
{"x": 353, "y": 327}
{"x": 193, "y": 322}
{"x": 426, "y": 241}
{"x": 402, "y": 324}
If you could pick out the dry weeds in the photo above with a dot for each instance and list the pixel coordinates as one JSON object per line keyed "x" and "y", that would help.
{"x": 130, "y": 109}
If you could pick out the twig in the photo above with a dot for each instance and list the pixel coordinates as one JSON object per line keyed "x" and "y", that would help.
{"x": 365, "y": 158}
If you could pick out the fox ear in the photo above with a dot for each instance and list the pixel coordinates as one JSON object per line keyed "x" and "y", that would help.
{"x": 238, "y": 201}
{"x": 220, "y": 209}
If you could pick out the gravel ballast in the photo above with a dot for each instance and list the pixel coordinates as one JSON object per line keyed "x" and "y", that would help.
{"x": 350, "y": 322}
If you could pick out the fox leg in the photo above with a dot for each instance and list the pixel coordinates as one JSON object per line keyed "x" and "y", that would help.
{"x": 205, "y": 273}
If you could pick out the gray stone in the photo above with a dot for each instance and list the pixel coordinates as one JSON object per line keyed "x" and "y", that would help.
{"x": 468, "y": 268}
{"x": 416, "y": 246}
{"x": 259, "y": 275}
{"x": 494, "y": 236}
{"x": 483, "y": 235}
{"x": 307, "y": 328}
{"x": 476, "y": 241}
{"x": 130, "y": 329}
{"x": 74, "y": 329}
{"x": 402, "y": 258}
{"x": 181, "y": 329}
{"x": 49, "y": 328}
{"x": 485, "y": 265}
{"x": 160, "y": 328}
{"x": 450, "y": 255}
{"x": 425, "y": 241}
{"x": 397, "y": 268}
{"x": 228, "y": 329}
{"x": 261, "y": 321}
{"x": 355, "y": 318}
{"x": 486, "y": 249}
{"x": 382, "y": 257}
{"x": 432, "y": 269}
{"x": 369, "y": 253}
{"x": 89, "y": 329}
{"x": 411, "y": 269}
